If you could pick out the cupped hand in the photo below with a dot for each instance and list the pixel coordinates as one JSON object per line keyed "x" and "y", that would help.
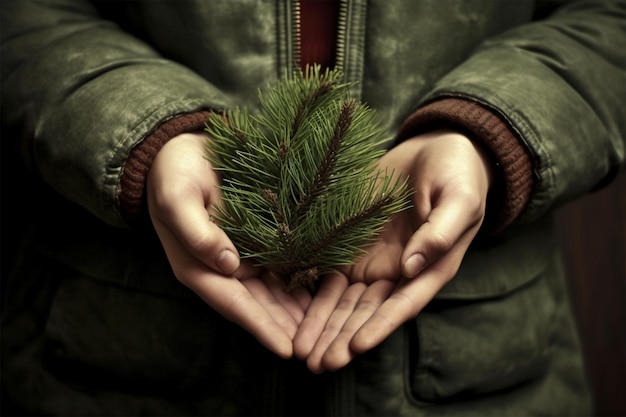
{"x": 181, "y": 192}
{"x": 418, "y": 252}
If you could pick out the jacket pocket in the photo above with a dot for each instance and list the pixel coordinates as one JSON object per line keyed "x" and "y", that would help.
{"x": 111, "y": 350}
{"x": 132, "y": 340}
{"x": 492, "y": 329}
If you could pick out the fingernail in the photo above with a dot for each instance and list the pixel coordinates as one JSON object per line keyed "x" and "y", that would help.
{"x": 414, "y": 265}
{"x": 227, "y": 262}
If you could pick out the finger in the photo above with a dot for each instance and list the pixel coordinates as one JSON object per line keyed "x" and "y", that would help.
{"x": 337, "y": 319}
{"x": 339, "y": 353}
{"x": 449, "y": 220}
{"x": 186, "y": 216}
{"x": 320, "y": 309}
{"x": 181, "y": 189}
{"x": 408, "y": 299}
{"x": 234, "y": 301}
{"x": 247, "y": 270}
{"x": 294, "y": 302}
{"x": 266, "y": 298}
{"x": 382, "y": 259}
{"x": 406, "y": 302}
{"x": 228, "y": 296}
{"x": 303, "y": 298}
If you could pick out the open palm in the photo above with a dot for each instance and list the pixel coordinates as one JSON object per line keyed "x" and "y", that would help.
{"x": 419, "y": 251}
{"x": 182, "y": 192}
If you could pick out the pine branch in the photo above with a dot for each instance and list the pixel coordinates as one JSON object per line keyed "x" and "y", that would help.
{"x": 307, "y": 103}
{"x": 339, "y": 228}
{"x": 300, "y": 188}
{"x": 325, "y": 170}
{"x": 351, "y": 222}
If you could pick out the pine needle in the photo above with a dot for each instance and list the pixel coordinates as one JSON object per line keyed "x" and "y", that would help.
{"x": 302, "y": 194}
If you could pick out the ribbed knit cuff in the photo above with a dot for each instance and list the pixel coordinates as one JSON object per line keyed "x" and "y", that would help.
{"x": 131, "y": 199}
{"x": 514, "y": 183}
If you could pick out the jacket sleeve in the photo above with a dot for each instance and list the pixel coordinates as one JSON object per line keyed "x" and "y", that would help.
{"x": 560, "y": 84}
{"x": 81, "y": 93}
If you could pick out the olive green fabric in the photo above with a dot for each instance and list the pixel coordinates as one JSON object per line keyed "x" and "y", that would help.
{"x": 94, "y": 322}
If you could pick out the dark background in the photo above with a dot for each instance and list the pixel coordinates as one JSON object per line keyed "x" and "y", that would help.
{"x": 592, "y": 231}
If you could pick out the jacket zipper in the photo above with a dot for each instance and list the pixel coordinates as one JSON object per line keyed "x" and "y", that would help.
{"x": 296, "y": 34}
{"x": 340, "y": 47}
{"x": 349, "y": 50}
{"x": 350, "y": 30}
{"x": 350, "y": 25}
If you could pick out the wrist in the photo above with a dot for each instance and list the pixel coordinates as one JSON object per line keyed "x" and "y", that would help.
{"x": 131, "y": 188}
{"x": 490, "y": 164}
{"x": 503, "y": 152}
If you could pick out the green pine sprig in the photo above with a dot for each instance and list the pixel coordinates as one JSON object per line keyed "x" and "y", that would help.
{"x": 301, "y": 191}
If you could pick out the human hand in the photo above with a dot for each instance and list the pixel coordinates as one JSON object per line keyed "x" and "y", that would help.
{"x": 182, "y": 191}
{"x": 418, "y": 252}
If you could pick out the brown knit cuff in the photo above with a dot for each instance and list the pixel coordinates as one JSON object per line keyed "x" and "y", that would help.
{"x": 514, "y": 182}
{"x": 132, "y": 183}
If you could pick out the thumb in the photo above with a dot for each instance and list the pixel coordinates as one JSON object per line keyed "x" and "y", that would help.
{"x": 181, "y": 189}
{"x": 202, "y": 238}
{"x": 447, "y": 224}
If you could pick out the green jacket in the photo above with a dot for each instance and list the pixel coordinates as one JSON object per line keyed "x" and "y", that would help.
{"x": 94, "y": 322}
